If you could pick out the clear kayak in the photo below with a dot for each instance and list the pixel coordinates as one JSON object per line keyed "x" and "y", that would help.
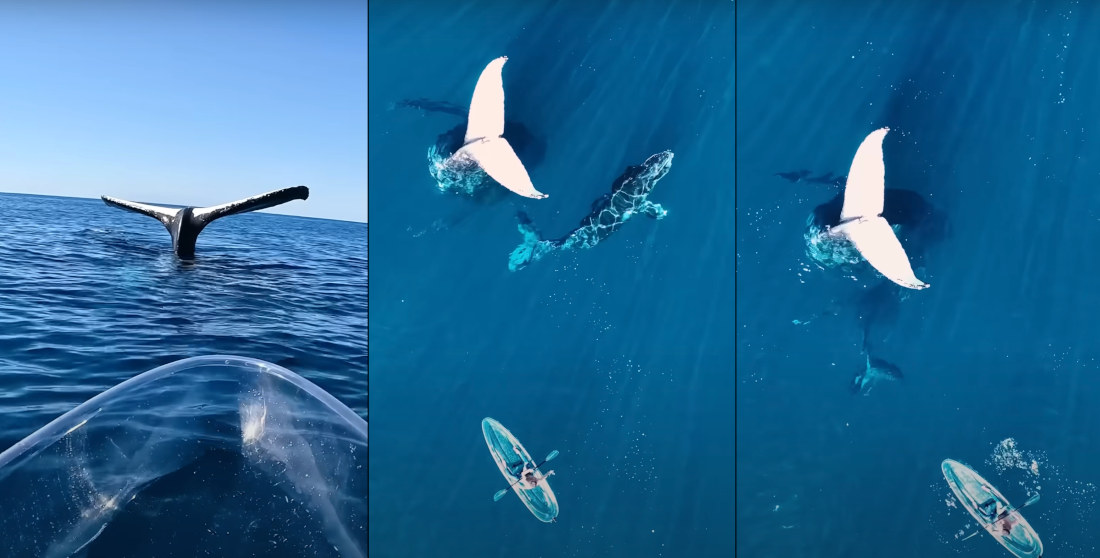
{"x": 510, "y": 456}
{"x": 1013, "y": 531}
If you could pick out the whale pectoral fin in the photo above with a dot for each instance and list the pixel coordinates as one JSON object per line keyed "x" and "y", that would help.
{"x": 865, "y": 188}
{"x": 653, "y": 210}
{"x": 486, "y": 119}
{"x": 205, "y": 215}
{"x": 162, "y": 214}
{"x": 876, "y": 241}
{"x": 496, "y": 157}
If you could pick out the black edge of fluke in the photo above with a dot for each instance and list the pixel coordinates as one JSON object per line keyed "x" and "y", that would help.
{"x": 185, "y": 224}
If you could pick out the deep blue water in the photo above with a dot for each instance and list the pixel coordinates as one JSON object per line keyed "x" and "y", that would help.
{"x": 992, "y": 109}
{"x": 91, "y": 296}
{"x": 620, "y": 357}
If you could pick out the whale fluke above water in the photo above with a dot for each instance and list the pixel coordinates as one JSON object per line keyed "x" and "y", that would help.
{"x": 861, "y": 219}
{"x": 185, "y": 224}
{"x": 484, "y": 141}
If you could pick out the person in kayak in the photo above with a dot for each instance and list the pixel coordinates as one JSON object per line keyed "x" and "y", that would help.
{"x": 530, "y": 477}
{"x": 991, "y": 509}
{"x": 997, "y": 514}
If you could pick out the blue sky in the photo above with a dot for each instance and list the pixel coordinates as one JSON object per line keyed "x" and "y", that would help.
{"x": 190, "y": 103}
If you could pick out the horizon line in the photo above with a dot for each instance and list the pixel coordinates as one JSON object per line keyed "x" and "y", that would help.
{"x": 182, "y": 206}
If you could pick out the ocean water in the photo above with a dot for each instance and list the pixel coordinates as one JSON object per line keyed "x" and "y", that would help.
{"x": 992, "y": 116}
{"x": 91, "y": 296}
{"x": 620, "y": 357}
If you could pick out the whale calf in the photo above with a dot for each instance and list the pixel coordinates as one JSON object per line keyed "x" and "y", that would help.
{"x": 484, "y": 143}
{"x": 185, "y": 224}
{"x": 861, "y": 220}
{"x": 629, "y": 196}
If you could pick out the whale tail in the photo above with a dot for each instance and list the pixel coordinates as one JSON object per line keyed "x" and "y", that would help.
{"x": 861, "y": 215}
{"x": 874, "y": 369}
{"x": 484, "y": 141}
{"x": 533, "y": 247}
{"x": 255, "y": 203}
{"x": 185, "y": 224}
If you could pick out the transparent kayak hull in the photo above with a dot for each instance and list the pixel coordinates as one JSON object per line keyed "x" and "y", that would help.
{"x": 503, "y": 446}
{"x": 1021, "y": 540}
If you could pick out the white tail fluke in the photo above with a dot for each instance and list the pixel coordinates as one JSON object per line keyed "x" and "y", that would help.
{"x": 497, "y": 158}
{"x": 484, "y": 142}
{"x": 486, "y": 119}
{"x": 866, "y": 185}
{"x": 876, "y": 241}
{"x": 861, "y": 215}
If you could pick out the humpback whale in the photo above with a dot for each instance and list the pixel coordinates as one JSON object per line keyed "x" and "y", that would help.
{"x": 484, "y": 144}
{"x": 875, "y": 306}
{"x": 185, "y": 224}
{"x": 875, "y": 370}
{"x": 861, "y": 220}
{"x": 628, "y": 197}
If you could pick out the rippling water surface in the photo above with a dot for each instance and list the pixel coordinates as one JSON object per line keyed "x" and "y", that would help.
{"x": 993, "y": 120}
{"x": 91, "y": 296}
{"x": 621, "y": 356}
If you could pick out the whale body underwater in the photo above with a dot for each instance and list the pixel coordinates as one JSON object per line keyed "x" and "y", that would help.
{"x": 629, "y": 196}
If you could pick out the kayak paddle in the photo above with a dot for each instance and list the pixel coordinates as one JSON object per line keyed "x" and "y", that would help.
{"x": 1004, "y": 515}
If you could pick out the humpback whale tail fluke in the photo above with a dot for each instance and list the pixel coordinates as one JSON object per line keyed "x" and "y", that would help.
{"x": 861, "y": 217}
{"x": 484, "y": 141}
{"x": 185, "y": 224}
{"x": 533, "y": 247}
{"x": 874, "y": 369}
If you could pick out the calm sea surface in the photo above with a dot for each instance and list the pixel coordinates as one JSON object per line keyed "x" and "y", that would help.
{"x": 91, "y": 296}
{"x": 620, "y": 357}
{"x": 993, "y": 119}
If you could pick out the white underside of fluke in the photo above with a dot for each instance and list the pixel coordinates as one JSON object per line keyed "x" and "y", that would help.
{"x": 485, "y": 144}
{"x": 862, "y": 219}
{"x": 496, "y": 157}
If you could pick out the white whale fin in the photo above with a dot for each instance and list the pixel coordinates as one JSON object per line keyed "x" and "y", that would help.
{"x": 162, "y": 214}
{"x": 486, "y": 119}
{"x": 876, "y": 241}
{"x": 254, "y": 203}
{"x": 866, "y": 185}
{"x": 496, "y": 157}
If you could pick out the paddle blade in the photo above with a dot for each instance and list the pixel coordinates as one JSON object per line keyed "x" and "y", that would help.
{"x": 499, "y": 495}
{"x": 552, "y": 455}
{"x": 1031, "y": 500}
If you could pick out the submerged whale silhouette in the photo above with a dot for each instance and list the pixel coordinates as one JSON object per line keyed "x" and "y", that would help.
{"x": 185, "y": 224}
{"x": 629, "y": 196}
